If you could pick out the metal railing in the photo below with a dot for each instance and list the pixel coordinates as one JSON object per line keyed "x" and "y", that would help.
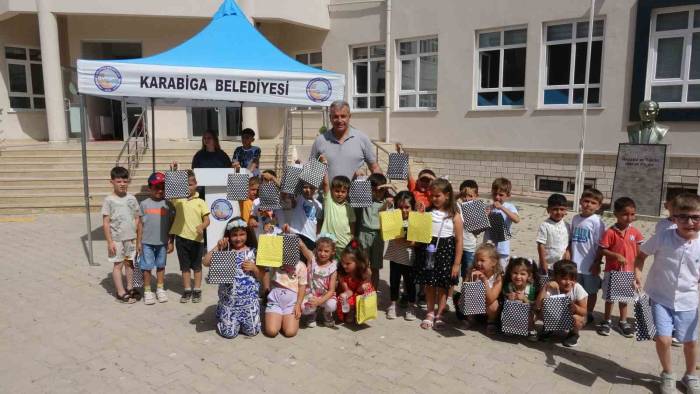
{"x": 304, "y": 112}
{"x": 136, "y": 144}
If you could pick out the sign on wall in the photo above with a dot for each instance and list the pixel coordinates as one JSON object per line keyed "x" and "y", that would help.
{"x": 639, "y": 175}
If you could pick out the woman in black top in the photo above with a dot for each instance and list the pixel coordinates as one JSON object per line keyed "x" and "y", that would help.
{"x": 211, "y": 155}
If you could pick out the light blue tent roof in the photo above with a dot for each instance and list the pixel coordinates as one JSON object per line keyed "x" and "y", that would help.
{"x": 228, "y": 41}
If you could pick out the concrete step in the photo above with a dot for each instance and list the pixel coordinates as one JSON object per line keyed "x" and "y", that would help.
{"x": 60, "y": 198}
{"x": 95, "y": 164}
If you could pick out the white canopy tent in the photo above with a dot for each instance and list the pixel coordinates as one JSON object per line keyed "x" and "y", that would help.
{"x": 229, "y": 60}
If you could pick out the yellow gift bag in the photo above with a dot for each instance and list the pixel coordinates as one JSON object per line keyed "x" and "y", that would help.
{"x": 366, "y": 307}
{"x": 269, "y": 253}
{"x": 420, "y": 227}
{"x": 391, "y": 224}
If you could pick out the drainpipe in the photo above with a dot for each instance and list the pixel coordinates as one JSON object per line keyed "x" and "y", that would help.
{"x": 387, "y": 76}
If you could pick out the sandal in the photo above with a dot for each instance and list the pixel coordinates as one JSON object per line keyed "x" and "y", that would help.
{"x": 135, "y": 294}
{"x": 439, "y": 324}
{"x": 427, "y": 323}
{"x": 125, "y": 299}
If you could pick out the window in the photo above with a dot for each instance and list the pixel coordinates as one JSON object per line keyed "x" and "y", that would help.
{"x": 673, "y": 65}
{"x": 418, "y": 61}
{"x": 555, "y": 184}
{"x": 369, "y": 76}
{"x": 565, "y": 63}
{"x": 501, "y": 68}
{"x": 674, "y": 189}
{"x": 25, "y": 78}
{"x": 313, "y": 59}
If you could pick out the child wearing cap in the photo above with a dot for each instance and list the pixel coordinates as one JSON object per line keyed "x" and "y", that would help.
{"x": 246, "y": 154}
{"x": 153, "y": 241}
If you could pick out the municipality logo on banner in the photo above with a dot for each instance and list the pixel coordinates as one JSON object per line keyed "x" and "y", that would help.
{"x": 108, "y": 79}
{"x": 319, "y": 90}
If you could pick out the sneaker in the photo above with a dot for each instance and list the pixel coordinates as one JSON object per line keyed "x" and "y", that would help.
{"x": 571, "y": 340}
{"x": 410, "y": 314}
{"x": 532, "y": 336}
{"x": 544, "y": 336}
{"x": 391, "y": 312}
{"x": 604, "y": 328}
{"x": 626, "y": 329}
{"x": 668, "y": 383}
{"x": 149, "y": 298}
{"x": 675, "y": 342}
{"x": 691, "y": 383}
{"x": 328, "y": 320}
{"x": 312, "y": 323}
{"x": 161, "y": 295}
{"x": 186, "y": 296}
{"x": 196, "y": 296}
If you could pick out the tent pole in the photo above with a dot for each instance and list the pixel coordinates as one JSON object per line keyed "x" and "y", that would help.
{"x": 86, "y": 186}
{"x": 153, "y": 133}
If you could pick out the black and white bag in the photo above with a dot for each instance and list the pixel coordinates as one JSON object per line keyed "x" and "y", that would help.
{"x": 620, "y": 287}
{"x": 360, "y": 194}
{"x": 646, "y": 330}
{"x": 542, "y": 281}
{"x": 498, "y": 231}
{"x": 269, "y": 196}
{"x": 290, "y": 250}
{"x": 176, "y": 185}
{"x": 222, "y": 269}
{"x": 515, "y": 318}
{"x": 312, "y": 172}
{"x": 290, "y": 180}
{"x": 137, "y": 278}
{"x": 474, "y": 216}
{"x": 237, "y": 187}
{"x": 556, "y": 313}
{"x": 398, "y": 166}
{"x": 472, "y": 301}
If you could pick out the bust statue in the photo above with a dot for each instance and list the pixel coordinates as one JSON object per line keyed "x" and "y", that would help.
{"x": 647, "y": 131}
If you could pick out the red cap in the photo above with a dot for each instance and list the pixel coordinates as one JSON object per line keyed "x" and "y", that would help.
{"x": 156, "y": 178}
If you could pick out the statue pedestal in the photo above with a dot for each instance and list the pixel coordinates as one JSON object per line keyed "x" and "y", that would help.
{"x": 639, "y": 175}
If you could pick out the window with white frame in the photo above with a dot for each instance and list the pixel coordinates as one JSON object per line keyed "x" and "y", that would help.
{"x": 313, "y": 59}
{"x": 25, "y": 78}
{"x": 565, "y": 63}
{"x": 418, "y": 72}
{"x": 369, "y": 74}
{"x": 501, "y": 68}
{"x": 673, "y": 65}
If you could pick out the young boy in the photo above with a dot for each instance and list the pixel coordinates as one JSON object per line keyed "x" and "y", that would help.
{"x": 153, "y": 242}
{"x": 191, "y": 219}
{"x": 587, "y": 229}
{"x": 672, "y": 286}
{"x": 244, "y": 155}
{"x": 246, "y": 206}
{"x": 369, "y": 236}
{"x": 468, "y": 191}
{"x": 120, "y": 218}
{"x": 553, "y": 234}
{"x": 620, "y": 246}
{"x": 421, "y": 187}
{"x": 565, "y": 274}
{"x": 339, "y": 217}
{"x": 500, "y": 193}
{"x": 305, "y": 215}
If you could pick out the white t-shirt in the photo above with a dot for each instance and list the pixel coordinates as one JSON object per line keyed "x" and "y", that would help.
{"x": 304, "y": 217}
{"x": 555, "y": 238}
{"x": 503, "y": 248}
{"x": 673, "y": 278}
{"x": 576, "y": 294}
{"x": 440, "y": 219}
{"x": 664, "y": 224}
{"x": 586, "y": 233}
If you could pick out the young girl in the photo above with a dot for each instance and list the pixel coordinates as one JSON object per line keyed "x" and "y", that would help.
{"x": 447, "y": 258}
{"x": 519, "y": 285}
{"x": 355, "y": 278}
{"x": 487, "y": 269}
{"x": 239, "y": 308}
{"x": 399, "y": 252}
{"x": 323, "y": 276}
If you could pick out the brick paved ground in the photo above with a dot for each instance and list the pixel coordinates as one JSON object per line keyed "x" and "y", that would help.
{"x": 62, "y": 331}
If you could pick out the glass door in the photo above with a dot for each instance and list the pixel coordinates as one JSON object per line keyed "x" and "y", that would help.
{"x": 225, "y": 121}
{"x": 204, "y": 118}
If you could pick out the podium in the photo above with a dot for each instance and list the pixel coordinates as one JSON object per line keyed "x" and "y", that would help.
{"x": 214, "y": 181}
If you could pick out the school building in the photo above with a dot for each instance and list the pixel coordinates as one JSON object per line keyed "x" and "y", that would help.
{"x": 473, "y": 89}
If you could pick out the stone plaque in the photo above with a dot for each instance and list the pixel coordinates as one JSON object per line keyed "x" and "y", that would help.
{"x": 639, "y": 175}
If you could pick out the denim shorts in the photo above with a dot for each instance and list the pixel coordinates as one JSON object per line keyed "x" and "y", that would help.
{"x": 590, "y": 283}
{"x": 683, "y": 325}
{"x": 467, "y": 262}
{"x": 152, "y": 256}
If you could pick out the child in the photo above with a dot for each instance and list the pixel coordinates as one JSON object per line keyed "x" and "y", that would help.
{"x": 305, "y": 215}
{"x": 354, "y": 278}
{"x": 153, "y": 242}
{"x": 487, "y": 268}
{"x": 369, "y": 236}
{"x": 500, "y": 192}
{"x": 468, "y": 191}
{"x": 339, "y": 217}
{"x": 244, "y": 155}
{"x": 420, "y": 188}
{"x": 400, "y": 254}
{"x": 246, "y": 206}
{"x": 565, "y": 274}
{"x": 447, "y": 238}
{"x": 620, "y": 246}
{"x": 191, "y": 219}
{"x": 284, "y": 300}
{"x": 238, "y": 309}
{"x": 520, "y": 279}
{"x": 323, "y": 278}
{"x": 120, "y": 218}
{"x": 587, "y": 229}
{"x": 553, "y": 235}
{"x": 672, "y": 286}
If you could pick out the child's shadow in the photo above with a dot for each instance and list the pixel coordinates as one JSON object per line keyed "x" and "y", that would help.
{"x": 205, "y": 321}
{"x": 173, "y": 282}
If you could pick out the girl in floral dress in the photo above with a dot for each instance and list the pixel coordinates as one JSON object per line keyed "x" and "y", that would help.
{"x": 323, "y": 276}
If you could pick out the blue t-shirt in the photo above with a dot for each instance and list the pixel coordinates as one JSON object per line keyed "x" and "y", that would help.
{"x": 245, "y": 156}
{"x": 503, "y": 248}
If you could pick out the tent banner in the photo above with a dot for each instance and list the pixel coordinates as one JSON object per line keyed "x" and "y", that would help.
{"x": 123, "y": 79}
